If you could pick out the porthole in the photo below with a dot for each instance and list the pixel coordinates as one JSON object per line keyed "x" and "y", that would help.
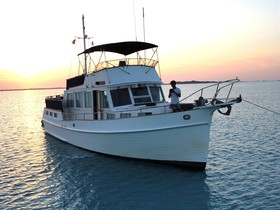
{"x": 186, "y": 117}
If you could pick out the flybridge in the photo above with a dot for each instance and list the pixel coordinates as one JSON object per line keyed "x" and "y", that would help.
{"x": 122, "y": 50}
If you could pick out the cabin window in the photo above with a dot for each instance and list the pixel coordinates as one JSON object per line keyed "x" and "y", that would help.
{"x": 70, "y": 100}
{"x": 125, "y": 115}
{"x": 55, "y": 114}
{"x": 140, "y": 95}
{"x": 120, "y": 97}
{"x": 88, "y": 99}
{"x": 103, "y": 99}
{"x": 110, "y": 116}
{"x": 79, "y": 99}
{"x": 156, "y": 93}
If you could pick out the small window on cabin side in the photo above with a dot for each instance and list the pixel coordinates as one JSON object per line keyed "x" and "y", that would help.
{"x": 88, "y": 99}
{"x": 140, "y": 95}
{"x": 157, "y": 94}
{"x": 79, "y": 99}
{"x": 70, "y": 100}
{"x": 120, "y": 97}
{"x": 103, "y": 100}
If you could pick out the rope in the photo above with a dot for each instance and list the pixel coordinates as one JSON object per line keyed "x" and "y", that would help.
{"x": 261, "y": 107}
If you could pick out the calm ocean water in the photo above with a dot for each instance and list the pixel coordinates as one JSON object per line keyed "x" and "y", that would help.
{"x": 243, "y": 172}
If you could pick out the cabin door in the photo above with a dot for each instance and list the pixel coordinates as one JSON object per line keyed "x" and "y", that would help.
{"x": 99, "y": 103}
{"x": 95, "y": 105}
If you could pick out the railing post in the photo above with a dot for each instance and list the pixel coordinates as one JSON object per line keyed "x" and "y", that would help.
{"x": 229, "y": 92}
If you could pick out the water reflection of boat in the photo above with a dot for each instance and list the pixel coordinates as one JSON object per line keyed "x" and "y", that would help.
{"x": 104, "y": 180}
{"x": 117, "y": 107}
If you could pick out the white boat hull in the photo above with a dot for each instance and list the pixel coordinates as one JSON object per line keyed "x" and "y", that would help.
{"x": 180, "y": 138}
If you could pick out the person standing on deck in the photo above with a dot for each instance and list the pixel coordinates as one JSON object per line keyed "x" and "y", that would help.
{"x": 174, "y": 94}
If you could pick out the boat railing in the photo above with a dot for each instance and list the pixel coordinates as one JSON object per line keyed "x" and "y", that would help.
{"x": 56, "y": 97}
{"x": 219, "y": 87}
{"x": 118, "y": 63}
{"x": 54, "y": 102}
{"x": 155, "y": 108}
{"x": 118, "y": 114}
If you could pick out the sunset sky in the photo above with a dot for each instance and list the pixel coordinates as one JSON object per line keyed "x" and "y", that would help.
{"x": 197, "y": 39}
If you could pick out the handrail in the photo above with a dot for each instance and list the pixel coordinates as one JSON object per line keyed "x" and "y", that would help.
{"x": 127, "y": 62}
{"x": 218, "y": 89}
{"x": 56, "y": 97}
{"x": 117, "y": 114}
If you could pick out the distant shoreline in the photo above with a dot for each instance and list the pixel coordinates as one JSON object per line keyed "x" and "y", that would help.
{"x": 194, "y": 82}
{"x": 201, "y": 82}
{"x": 20, "y": 89}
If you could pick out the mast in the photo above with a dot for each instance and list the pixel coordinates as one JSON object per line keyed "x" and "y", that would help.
{"x": 84, "y": 37}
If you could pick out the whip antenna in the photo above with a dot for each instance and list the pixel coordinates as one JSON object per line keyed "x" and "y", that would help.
{"x": 135, "y": 28}
{"x": 144, "y": 25}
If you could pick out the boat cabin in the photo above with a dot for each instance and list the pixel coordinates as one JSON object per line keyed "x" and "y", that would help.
{"x": 112, "y": 88}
